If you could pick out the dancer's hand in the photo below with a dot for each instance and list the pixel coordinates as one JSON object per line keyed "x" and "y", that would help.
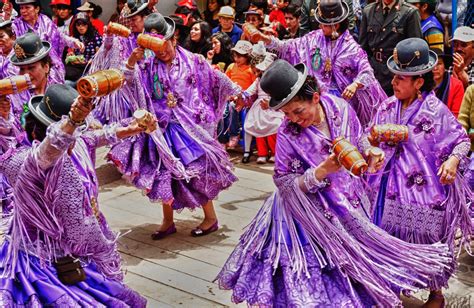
{"x": 137, "y": 55}
{"x": 349, "y": 91}
{"x": 80, "y": 109}
{"x": 447, "y": 171}
{"x": 330, "y": 165}
{"x": 376, "y": 158}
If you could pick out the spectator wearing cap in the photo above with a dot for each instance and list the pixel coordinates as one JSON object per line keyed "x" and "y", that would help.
{"x": 448, "y": 89}
{"x": 211, "y": 14}
{"x": 32, "y": 20}
{"x": 240, "y": 73}
{"x": 199, "y": 38}
{"x": 7, "y": 40}
{"x": 63, "y": 15}
{"x": 463, "y": 57}
{"x": 189, "y": 9}
{"x": 94, "y": 12}
{"x": 226, "y": 24}
{"x": 76, "y": 59}
{"x": 255, "y": 18}
{"x": 431, "y": 27}
{"x": 181, "y": 31}
{"x": 292, "y": 17}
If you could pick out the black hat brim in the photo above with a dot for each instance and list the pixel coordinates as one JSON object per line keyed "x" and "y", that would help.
{"x": 413, "y": 71}
{"x": 33, "y": 106}
{"x": 302, "y": 74}
{"x": 141, "y": 8}
{"x": 43, "y": 53}
{"x": 172, "y": 25}
{"x": 336, "y": 20}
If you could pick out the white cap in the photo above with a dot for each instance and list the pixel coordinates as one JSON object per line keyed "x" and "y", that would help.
{"x": 243, "y": 47}
{"x": 463, "y": 34}
{"x": 226, "y": 11}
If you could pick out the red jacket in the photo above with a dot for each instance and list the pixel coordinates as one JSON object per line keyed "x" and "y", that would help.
{"x": 455, "y": 95}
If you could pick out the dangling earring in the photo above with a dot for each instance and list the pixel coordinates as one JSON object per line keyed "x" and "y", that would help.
{"x": 334, "y": 33}
{"x": 418, "y": 93}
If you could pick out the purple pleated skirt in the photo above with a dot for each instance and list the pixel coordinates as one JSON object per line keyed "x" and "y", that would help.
{"x": 138, "y": 159}
{"x": 254, "y": 278}
{"x": 36, "y": 286}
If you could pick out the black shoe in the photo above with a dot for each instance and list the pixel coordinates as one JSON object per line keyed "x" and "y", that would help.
{"x": 246, "y": 157}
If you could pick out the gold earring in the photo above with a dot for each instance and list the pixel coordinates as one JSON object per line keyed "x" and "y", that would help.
{"x": 418, "y": 93}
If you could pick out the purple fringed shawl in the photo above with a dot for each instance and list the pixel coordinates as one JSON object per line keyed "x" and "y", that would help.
{"x": 47, "y": 31}
{"x": 118, "y": 105}
{"x": 418, "y": 208}
{"x": 55, "y": 214}
{"x": 200, "y": 92}
{"x": 349, "y": 63}
{"x": 333, "y": 218}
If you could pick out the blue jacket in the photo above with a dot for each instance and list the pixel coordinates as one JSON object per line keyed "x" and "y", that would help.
{"x": 235, "y": 34}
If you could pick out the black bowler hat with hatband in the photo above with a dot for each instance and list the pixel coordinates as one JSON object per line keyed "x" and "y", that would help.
{"x": 282, "y": 81}
{"x": 157, "y": 23}
{"x": 412, "y": 57}
{"x": 54, "y": 104}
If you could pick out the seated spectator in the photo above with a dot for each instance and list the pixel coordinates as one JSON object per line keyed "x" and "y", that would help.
{"x": 277, "y": 14}
{"x": 466, "y": 114}
{"x": 255, "y": 18}
{"x": 181, "y": 31}
{"x": 463, "y": 58}
{"x": 211, "y": 15}
{"x": 431, "y": 27}
{"x": 63, "y": 15}
{"x": 220, "y": 55}
{"x": 94, "y": 12}
{"x": 226, "y": 24}
{"x": 448, "y": 89}
{"x": 116, "y": 15}
{"x": 199, "y": 38}
{"x": 292, "y": 17}
{"x": 77, "y": 60}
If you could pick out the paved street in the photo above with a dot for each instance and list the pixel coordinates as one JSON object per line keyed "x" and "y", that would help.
{"x": 178, "y": 271}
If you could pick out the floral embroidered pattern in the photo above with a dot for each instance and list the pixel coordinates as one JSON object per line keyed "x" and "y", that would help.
{"x": 424, "y": 125}
{"x": 295, "y": 165}
{"x": 417, "y": 179}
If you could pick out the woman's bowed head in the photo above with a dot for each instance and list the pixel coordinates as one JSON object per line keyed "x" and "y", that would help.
{"x": 297, "y": 95}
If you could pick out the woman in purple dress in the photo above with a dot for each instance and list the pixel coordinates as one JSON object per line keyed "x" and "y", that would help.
{"x": 31, "y": 19}
{"x": 182, "y": 164}
{"x": 115, "y": 49}
{"x": 7, "y": 40}
{"x": 59, "y": 250}
{"x": 312, "y": 244}
{"x": 421, "y": 195}
{"x": 335, "y": 59}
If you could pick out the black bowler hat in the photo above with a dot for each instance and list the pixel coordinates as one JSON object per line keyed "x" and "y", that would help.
{"x": 54, "y": 104}
{"x": 134, "y": 7}
{"x": 447, "y": 59}
{"x": 20, "y": 2}
{"x": 158, "y": 24}
{"x": 282, "y": 82}
{"x": 29, "y": 49}
{"x": 330, "y": 12}
{"x": 412, "y": 57}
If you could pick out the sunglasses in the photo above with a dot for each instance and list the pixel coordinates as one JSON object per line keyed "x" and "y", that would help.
{"x": 62, "y": 7}
{"x": 81, "y": 24}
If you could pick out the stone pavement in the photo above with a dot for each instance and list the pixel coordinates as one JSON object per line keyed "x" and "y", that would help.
{"x": 179, "y": 270}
